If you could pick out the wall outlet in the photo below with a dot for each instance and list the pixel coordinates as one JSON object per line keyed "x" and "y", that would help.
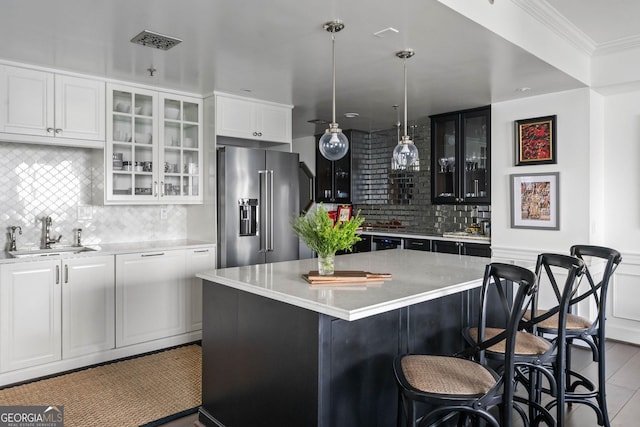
{"x": 84, "y": 212}
{"x": 163, "y": 213}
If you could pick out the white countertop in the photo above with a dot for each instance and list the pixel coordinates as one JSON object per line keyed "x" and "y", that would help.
{"x": 451, "y": 237}
{"x": 417, "y": 277}
{"x": 114, "y": 249}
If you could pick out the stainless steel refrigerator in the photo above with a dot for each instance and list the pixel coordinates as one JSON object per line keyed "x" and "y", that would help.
{"x": 257, "y": 197}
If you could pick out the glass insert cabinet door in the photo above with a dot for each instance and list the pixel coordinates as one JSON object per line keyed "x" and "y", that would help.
{"x": 460, "y": 164}
{"x": 445, "y": 153}
{"x": 154, "y": 147}
{"x": 180, "y": 157}
{"x": 131, "y": 144}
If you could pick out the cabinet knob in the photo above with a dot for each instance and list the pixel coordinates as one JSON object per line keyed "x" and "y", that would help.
{"x": 49, "y": 130}
{"x": 255, "y": 134}
{"x": 259, "y": 133}
{"x": 58, "y": 131}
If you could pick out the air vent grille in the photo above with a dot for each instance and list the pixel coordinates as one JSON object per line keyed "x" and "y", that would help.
{"x": 159, "y": 41}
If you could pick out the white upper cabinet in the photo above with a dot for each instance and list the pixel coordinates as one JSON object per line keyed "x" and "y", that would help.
{"x": 247, "y": 118}
{"x": 154, "y": 146}
{"x": 42, "y": 107}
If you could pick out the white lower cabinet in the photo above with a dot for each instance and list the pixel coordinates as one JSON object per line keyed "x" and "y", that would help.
{"x": 150, "y": 296}
{"x": 55, "y": 309}
{"x": 59, "y": 314}
{"x": 88, "y": 305}
{"x": 198, "y": 260}
{"x": 30, "y": 314}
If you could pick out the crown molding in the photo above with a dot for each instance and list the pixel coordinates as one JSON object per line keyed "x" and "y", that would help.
{"x": 549, "y": 16}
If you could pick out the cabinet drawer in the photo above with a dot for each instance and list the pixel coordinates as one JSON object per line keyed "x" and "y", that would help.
{"x": 418, "y": 244}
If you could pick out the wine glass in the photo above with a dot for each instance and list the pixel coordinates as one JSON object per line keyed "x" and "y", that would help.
{"x": 443, "y": 164}
{"x": 452, "y": 164}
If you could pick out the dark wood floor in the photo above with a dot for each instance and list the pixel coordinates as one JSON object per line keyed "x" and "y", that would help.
{"x": 623, "y": 388}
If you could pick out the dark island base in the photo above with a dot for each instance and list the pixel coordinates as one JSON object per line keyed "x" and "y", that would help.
{"x": 268, "y": 363}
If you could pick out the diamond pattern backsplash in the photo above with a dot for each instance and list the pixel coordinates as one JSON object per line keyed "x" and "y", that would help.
{"x": 38, "y": 181}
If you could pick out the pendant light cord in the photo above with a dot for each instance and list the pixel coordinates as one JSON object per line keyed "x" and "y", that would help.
{"x": 405, "y": 96}
{"x": 333, "y": 55}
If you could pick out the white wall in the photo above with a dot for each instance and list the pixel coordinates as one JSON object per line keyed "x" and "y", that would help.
{"x": 622, "y": 163}
{"x": 306, "y": 147}
{"x": 574, "y": 117}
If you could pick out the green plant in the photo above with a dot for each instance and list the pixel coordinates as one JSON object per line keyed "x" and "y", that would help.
{"x": 317, "y": 230}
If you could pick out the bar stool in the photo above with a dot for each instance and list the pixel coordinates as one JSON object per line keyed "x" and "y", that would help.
{"x": 573, "y": 327}
{"x": 453, "y": 386}
{"x": 535, "y": 357}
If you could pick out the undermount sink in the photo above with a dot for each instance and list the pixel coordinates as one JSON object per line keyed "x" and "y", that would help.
{"x": 27, "y": 253}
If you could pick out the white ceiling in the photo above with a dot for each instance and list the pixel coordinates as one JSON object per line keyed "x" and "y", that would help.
{"x": 277, "y": 50}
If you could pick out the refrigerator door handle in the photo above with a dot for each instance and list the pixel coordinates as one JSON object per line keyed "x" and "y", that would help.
{"x": 263, "y": 224}
{"x": 270, "y": 210}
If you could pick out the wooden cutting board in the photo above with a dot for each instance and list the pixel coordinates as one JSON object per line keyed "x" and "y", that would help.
{"x": 346, "y": 277}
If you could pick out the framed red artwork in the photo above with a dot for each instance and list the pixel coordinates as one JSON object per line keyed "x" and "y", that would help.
{"x": 344, "y": 213}
{"x": 536, "y": 141}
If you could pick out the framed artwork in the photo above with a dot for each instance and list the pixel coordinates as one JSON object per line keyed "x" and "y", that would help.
{"x": 534, "y": 201}
{"x": 344, "y": 213}
{"x": 536, "y": 141}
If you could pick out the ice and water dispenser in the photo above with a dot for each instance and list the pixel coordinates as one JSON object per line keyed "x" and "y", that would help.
{"x": 248, "y": 216}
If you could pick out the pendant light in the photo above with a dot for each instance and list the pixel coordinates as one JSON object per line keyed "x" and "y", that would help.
{"x": 333, "y": 144}
{"x": 405, "y": 154}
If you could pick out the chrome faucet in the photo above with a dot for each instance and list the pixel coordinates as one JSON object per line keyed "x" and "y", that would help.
{"x": 12, "y": 236}
{"x": 48, "y": 240}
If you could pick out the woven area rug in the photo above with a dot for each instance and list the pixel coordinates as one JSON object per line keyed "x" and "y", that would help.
{"x": 127, "y": 393}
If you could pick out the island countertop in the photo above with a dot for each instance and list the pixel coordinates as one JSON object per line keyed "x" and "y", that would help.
{"x": 417, "y": 276}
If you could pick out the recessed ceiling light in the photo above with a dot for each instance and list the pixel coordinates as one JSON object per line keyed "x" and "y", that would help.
{"x": 523, "y": 89}
{"x": 246, "y": 90}
{"x": 351, "y": 115}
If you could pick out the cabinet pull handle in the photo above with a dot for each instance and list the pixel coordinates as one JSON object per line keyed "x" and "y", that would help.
{"x": 66, "y": 273}
{"x": 49, "y": 130}
{"x": 155, "y": 188}
{"x": 201, "y": 251}
{"x": 57, "y": 274}
{"x": 155, "y": 254}
{"x": 161, "y": 188}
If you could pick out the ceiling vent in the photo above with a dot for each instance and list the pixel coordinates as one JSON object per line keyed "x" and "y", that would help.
{"x": 159, "y": 41}
{"x": 318, "y": 121}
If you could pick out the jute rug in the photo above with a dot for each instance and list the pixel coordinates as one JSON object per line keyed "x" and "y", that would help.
{"x": 127, "y": 393}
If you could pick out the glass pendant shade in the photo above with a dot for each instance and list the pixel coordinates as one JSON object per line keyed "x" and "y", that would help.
{"x": 405, "y": 154}
{"x": 333, "y": 144}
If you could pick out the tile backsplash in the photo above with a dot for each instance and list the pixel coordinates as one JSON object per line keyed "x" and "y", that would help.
{"x": 383, "y": 196}
{"x": 41, "y": 180}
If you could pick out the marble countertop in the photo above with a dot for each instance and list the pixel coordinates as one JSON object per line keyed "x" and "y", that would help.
{"x": 113, "y": 249}
{"x": 408, "y": 234}
{"x": 417, "y": 277}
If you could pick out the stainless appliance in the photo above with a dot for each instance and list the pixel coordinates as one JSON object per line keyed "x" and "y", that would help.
{"x": 257, "y": 197}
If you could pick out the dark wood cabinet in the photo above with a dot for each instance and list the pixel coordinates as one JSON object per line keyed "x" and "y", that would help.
{"x": 461, "y": 248}
{"x": 333, "y": 178}
{"x": 418, "y": 244}
{"x": 460, "y": 157}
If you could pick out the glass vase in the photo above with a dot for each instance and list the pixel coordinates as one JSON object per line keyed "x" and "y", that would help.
{"x": 326, "y": 264}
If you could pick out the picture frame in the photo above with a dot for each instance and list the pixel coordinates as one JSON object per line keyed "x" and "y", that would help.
{"x": 535, "y": 201}
{"x": 535, "y": 141}
{"x": 344, "y": 213}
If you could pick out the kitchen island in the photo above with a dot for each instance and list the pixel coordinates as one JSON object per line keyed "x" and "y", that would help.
{"x": 279, "y": 351}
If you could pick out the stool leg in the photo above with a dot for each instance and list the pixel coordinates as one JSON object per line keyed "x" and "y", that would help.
{"x": 602, "y": 394}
